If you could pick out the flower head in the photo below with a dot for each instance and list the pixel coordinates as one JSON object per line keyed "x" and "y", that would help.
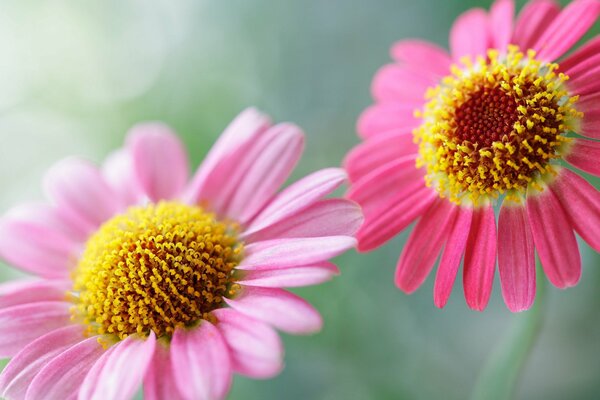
{"x": 452, "y": 136}
{"x": 145, "y": 276}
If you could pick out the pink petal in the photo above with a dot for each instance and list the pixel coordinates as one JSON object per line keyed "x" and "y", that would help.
{"x": 393, "y": 83}
{"x": 159, "y": 160}
{"x": 554, "y": 239}
{"x": 256, "y": 349}
{"x": 501, "y": 23}
{"x": 331, "y": 217}
{"x": 290, "y": 277}
{"x": 590, "y": 124}
{"x": 533, "y": 20}
{"x": 584, "y": 79}
{"x": 470, "y": 34}
{"x": 582, "y": 59}
{"x": 581, "y": 202}
{"x": 384, "y": 117}
{"x": 567, "y": 28}
{"x": 453, "y": 252}
{"x": 31, "y": 291}
{"x": 480, "y": 259}
{"x": 22, "y": 324}
{"x": 119, "y": 174}
{"x": 81, "y": 194}
{"x": 277, "y": 307}
{"x": 380, "y": 151}
{"x": 516, "y": 257}
{"x": 63, "y": 375}
{"x": 225, "y": 154}
{"x": 297, "y": 197}
{"x": 282, "y": 253}
{"x": 424, "y": 245}
{"x": 159, "y": 382}
{"x": 118, "y": 374}
{"x": 422, "y": 54}
{"x": 21, "y": 370}
{"x": 584, "y": 154}
{"x": 202, "y": 362}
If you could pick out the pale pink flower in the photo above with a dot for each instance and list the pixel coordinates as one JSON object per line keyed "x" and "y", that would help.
{"x": 453, "y": 134}
{"x": 144, "y": 276}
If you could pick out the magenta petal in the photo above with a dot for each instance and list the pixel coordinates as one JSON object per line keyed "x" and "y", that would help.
{"x": 20, "y": 325}
{"x": 256, "y": 349}
{"x": 584, "y": 154}
{"x": 581, "y": 201}
{"x": 15, "y": 293}
{"x": 422, "y": 54}
{"x": 516, "y": 257}
{"x": 393, "y": 83}
{"x": 582, "y": 60}
{"x": 25, "y": 365}
{"x": 501, "y": 23}
{"x": 424, "y": 245}
{"x": 533, "y": 20}
{"x": 480, "y": 259}
{"x": 470, "y": 34}
{"x": 118, "y": 171}
{"x": 202, "y": 362}
{"x": 282, "y": 253}
{"x": 384, "y": 117}
{"x": 277, "y": 307}
{"x": 290, "y": 277}
{"x": 159, "y": 382}
{"x": 590, "y": 106}
{"x": 554, "y": 239}
{"x": 567, "y": 28}
{"x": 453, "y": 253}
{"x": 63, "y": 375}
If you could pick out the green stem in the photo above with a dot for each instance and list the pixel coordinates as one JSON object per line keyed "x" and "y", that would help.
{"x": 499, "y": 377}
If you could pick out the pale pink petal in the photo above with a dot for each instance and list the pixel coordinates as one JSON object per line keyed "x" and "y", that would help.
{"x": 567, "y": 28}
{"x": 590, "y": 124}
{"x": 256, "y": 349}
{"x": 63, "y": 375}
{"x": 516, "y": 257}
{"x": 453, "y": 253}
{"x": 470, "y": 34}
{"x": 581, "y": 202}
{"x": 393, "y": 83}
{"x": 281, "y": 253}
{"x": 297, "y": 197}
{"x": 384, "y": 117}
{"x": 202, "y": 362}
{"x": 159, "y": 382}
{"x": 379, "y": 151}
{"x": 225, "y": 154}
{"x": 26, "y": 364}
{"x": 424, "y": 245}
{"x": 279, "y": 308}
{"x": 22, "y": 324}
{"x": 81, "y": 194}
{"x": 554, "y": 239}
{"x": 501, "y": 23}
{"x": 118, "y": 374}
{"x": 422, "y": 54}
{"x": 585, "y": 155}
{"x": 532, "y": 22}
{"x": 330, "y": 217}
{"x": 159, "y": 160}
{"x": 480, "y": 259}
{"x": 118, "y": 171}
{"x": 19, "y": 292}
{"x": 290, "y": 277}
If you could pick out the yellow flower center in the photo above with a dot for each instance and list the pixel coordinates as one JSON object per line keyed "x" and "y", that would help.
{"x": 494, "y": 127}
{"x": 155, "y": 268}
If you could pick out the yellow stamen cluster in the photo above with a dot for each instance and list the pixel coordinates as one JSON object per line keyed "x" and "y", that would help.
{"x": 155, "y": 268}
{"x": 494, "y": 127}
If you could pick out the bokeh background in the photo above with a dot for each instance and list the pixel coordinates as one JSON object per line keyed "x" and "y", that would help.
{"x": 74, "y": 76}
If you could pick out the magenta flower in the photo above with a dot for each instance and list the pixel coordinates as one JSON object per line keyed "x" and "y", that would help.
{"x": 146, "y": 277}
{"x": 453, "y": 135}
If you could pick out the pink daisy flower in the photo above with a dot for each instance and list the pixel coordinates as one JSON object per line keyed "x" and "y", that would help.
{"x": 453, "y": 135}
{"x": 144, "y": 277}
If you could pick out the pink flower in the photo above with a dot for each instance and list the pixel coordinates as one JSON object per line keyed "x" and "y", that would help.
{"x": 452, "y": 135}
{"x": 146, "y": 277}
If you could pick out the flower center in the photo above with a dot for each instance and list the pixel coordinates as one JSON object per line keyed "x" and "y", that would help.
{"x": 155, "y": 268}
{"x": 495, "y": 127}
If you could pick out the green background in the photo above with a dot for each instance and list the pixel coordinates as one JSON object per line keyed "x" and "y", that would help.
{"x": 74, "y": 76}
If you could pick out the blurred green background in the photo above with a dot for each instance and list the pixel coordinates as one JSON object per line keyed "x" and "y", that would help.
{"x": 74, "y": 76}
